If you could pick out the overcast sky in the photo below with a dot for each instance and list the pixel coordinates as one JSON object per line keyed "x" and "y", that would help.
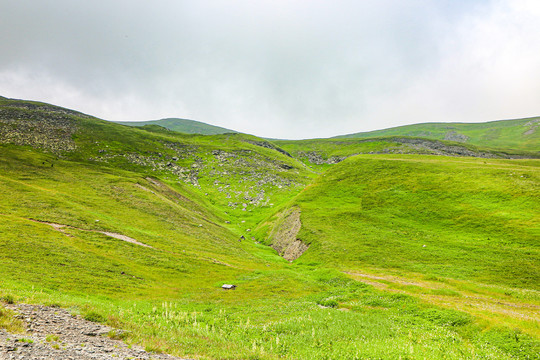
{"x": 277, "y": 68}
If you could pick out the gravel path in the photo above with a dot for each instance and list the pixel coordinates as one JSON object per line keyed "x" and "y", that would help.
{"x": 53, "y": 333}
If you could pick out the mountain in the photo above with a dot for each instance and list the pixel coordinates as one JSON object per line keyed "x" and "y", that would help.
{"x": 382, "y": 248}
{"x": 519, "y": 134}
{"x": 182, "y": 125}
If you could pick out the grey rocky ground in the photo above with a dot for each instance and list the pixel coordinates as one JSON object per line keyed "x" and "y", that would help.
{"x": 53, "y": 333}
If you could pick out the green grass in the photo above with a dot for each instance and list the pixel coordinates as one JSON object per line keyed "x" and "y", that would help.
{"x": 477, "y": 218}
{"x": 169, "y": 298}
{"x": 9, "y": 322}
{"x": 452, "y": 217}
{"x": 519, "y": 134}
{"x": 291, "y": 324}
{"x": 181, "y": 125}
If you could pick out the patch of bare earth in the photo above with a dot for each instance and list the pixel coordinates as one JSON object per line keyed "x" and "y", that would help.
{"x": 61, "y": 227}
{"x": 284, "y": 235}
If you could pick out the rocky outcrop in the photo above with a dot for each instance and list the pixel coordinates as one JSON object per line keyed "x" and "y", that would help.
{"x": 409, "y": 145}
{"x": 53, "y": 333}
{"x": 284, "y": 238}
{"x": 434, "y": 147}
{"x": 455, "y": 136}
{"x": 50, "y": 131}
{"x": 532, "y": 125}
{"x": 268, "y": 145}
{"x": 319, "y": 158}
{"x": 32, "y": 106}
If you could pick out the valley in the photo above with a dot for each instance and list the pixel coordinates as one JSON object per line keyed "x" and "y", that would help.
{"x": 396, "y": 245}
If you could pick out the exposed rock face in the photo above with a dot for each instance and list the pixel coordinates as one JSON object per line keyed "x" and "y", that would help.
{"x": 267, "y": 145}
{"x": 318, "y": 159}
{"x": 435, "y": 147}
{"x": 284, "y": 235}
{"x": 454, "y": 136}
{"x": 53, "y": 333}
{"x": 404, "y": 145}
{"x": 533, "y": 125}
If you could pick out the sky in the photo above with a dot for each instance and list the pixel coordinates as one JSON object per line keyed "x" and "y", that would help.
{"x": 287, "y": 69}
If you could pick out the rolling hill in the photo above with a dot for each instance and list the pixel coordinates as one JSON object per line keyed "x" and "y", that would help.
{"x": 461, "y": 218}
{"x": 519, "y": 134}
{"x": 182, "y": 125}
{"x": 340, "y": 248}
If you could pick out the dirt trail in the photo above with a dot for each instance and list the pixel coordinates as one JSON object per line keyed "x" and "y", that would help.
{"x": 61, "y": 227}
{"x": 53, "y": 333}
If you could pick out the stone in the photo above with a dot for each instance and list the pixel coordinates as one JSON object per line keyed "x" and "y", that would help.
{"x": 71, "y": 332}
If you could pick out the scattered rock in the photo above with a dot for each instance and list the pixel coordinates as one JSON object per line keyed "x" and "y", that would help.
{"x": 268, "y": 145}
{"x": 455, "y": 136}
{"x": 46, "y": 128}
{"x": 318, "y": 158}
{"x": 53, "y": 333}
{"x": 533, "y": 126}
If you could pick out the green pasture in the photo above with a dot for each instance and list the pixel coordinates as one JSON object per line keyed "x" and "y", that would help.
{"x": 411, "y": 256}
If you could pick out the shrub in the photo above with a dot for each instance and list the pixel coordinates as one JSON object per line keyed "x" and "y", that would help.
{"x": 328, "y": 303}
{"x": 9, "y": 299}
{"x": 117, "y": 334}
{"x": 95, "y": 317}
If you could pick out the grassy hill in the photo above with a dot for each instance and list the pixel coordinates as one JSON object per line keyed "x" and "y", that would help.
{"x": 140, "y": 227}
{"x": 182, "y": 125}
{"x": 463, "y": 218}
{"x": 322, "y": 153}
{"x": 519, "y": 134}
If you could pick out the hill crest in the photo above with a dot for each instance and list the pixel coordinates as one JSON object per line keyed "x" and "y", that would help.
{"x": 515, "y": 134}
{"x": 182, "y": 125}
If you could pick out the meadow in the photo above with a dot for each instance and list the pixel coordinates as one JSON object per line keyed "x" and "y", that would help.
{"x": 470, "y": 219}
{"x": 411, "y": 256}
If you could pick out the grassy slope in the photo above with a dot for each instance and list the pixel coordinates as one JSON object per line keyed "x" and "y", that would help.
{"x": 478, "y": 219}
{"x": 169, "y": 296}
{"x": 103, "y": 199}
{"x": 461, "y": 233}
{"x": 319, "y": 153}
{"x": 225, "y": 169}
{"x": 504, "y": 134}
{"x": 182, "y": 125}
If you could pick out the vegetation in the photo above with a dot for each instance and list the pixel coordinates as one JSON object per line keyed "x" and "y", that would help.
{"x": 9, "y": 322}
{"x": 472, "y": 219}
{"x": 139, "y": 228}
{"x": 519, "y": 134}
{"x": 181, "y": 125}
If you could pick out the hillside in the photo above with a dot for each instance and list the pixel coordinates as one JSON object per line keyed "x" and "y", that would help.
{"x": 138, "y": 228}
{"x": 182, "y": 125}
{"x": 320, "y": 153}
{"x": 519, "y": 134}
{"x": 463, "y": 218}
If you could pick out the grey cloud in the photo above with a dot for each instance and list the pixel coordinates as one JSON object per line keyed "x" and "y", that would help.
{"x": 287, "y": 69}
